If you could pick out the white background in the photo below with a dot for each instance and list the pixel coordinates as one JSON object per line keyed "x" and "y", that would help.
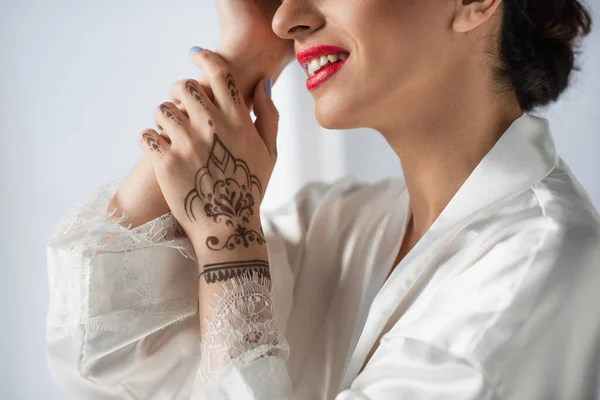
{"x": 79, "y": 80}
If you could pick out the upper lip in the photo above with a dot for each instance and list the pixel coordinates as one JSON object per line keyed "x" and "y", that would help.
{"x": 317, "y": 50}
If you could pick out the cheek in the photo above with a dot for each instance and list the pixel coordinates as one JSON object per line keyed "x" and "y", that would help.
{"x": 391, "y": 34}
{"x": 399, "y": 46}
{"x": 408, "y": 52}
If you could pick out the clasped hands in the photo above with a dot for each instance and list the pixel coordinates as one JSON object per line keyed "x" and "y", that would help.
{"x": 211, "y": 161}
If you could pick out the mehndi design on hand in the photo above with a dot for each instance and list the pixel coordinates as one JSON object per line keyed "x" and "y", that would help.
{"x": 227, "y": 191}
{"x": 232, "y": 88}
{"x": 165, "y": 108}
{"x": 153, "y": 145}
{"x": 194, "y": 92}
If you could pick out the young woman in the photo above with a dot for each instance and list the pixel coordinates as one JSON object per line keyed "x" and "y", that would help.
{"x": 474, "y": 276}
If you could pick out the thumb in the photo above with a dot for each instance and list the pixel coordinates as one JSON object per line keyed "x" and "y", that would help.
{"x": 267, "y": 116}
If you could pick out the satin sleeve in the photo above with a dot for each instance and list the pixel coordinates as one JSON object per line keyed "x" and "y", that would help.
{"x": 411, "y": 369}
{"x": 122, "y": 318}
{"x": 401, "y": 368}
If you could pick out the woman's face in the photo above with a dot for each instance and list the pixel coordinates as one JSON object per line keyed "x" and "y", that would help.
{"x": 399, "y": 50}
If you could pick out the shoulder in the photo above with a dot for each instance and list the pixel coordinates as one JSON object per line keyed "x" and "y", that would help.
{"x": 518, "y": 295}
{"x": 563, "y": 200}
{"x": 552, "y": 222}
{"x": 349, "y": 188}
{"x": 567, "y": 222}
{"x": 346, "y": 197}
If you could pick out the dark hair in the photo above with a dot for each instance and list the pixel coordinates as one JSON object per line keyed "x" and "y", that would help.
{"x": 537, "y": 44}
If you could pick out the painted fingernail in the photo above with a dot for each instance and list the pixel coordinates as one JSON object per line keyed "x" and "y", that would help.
{"x": 268, "y": 84}
{"x": 195, "y": 49}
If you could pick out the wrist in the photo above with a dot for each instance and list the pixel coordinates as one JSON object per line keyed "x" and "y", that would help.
{"x": 255, "y": 65}
{"x": 241, "y": 255}
{"x": 218, "y": 241}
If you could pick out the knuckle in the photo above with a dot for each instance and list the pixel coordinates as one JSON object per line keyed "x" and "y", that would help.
{"x": 191, "y": 87}
{"x": 168, "y": 110}
{"x": 190, "y": 148}
{"x": 191, "y": 82}
{"x": 166, "y": 105}
{"x": 146, "y": 135}
{"x": 183, "y": 142}
{"x": 170, "y": 160}
{"x": 186, "y": 84}
{"x": 205, "y": 55}
{"x": 179, "y": 86}
{"x": 147, "y": 132}
{"x": 192, "y": 144}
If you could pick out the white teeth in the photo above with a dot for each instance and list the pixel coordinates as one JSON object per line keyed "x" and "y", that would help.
{"x": 313, "y": 66}
{"x": 316, "y": 63}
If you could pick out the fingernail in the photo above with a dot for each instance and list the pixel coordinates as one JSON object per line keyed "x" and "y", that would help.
{"x": 195, "y": 49}
{"x": 268, "y": 84}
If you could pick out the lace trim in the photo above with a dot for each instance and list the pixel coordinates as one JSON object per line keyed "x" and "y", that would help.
{"x": 146, "y": 290}
{"x": 265, "y": 378}
{"x": 242, "y": 326}
{"x": 88, "y": 229}
{"x": 85, "y": 232}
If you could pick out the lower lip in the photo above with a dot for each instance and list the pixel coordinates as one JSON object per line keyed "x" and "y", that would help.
{"x": 324, "y": 74}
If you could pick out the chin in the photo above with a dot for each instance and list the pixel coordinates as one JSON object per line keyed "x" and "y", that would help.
{"x": 334, "y": 114}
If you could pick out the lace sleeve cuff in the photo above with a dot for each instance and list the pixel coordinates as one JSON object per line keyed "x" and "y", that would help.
{"x": 239, "y": 333}
{"x": 86, "y": 228}
{"x": 105, "y": 277}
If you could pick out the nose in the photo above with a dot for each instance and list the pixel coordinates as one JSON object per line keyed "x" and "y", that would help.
{"x": 296, "y": 19}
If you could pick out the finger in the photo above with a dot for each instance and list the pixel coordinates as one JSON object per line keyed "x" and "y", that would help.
{"x": 207, "y": 91}
{"x": 267, "y": 116}
{"x": 171, "y": 121}
{"x": 225, "y": 89}
{"x": 153, "y": 143}
{"x": 181, "y": 108}
{"x": 193, "y": 100}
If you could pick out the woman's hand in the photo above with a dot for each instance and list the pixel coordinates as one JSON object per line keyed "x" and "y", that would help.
{"x": 246, "y": 30}
{"x": 253, "y": 52}
{"x": 215, "y": 163}
{"x": 248, "y": 43}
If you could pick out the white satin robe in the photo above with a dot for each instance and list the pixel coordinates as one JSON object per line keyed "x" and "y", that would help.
{"x": 500, "y": 299}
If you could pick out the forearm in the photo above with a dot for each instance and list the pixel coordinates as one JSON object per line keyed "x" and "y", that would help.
{"x": 236, "y": 314}
{"x": 139, "y": 197}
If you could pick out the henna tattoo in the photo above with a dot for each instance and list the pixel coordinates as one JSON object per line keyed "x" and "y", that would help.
{"x": 242, "y": 235}
{"x": 167, "y": 112}
{"x": 227, "y": 191}
{"x": 194, "y": 92}
{"x": 151, "y": 142}
{"x": 232, "y": 88}
{"x": 224, "y": 271}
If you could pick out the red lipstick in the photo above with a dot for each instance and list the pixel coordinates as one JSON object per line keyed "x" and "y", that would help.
{"x": 326, "y": 71}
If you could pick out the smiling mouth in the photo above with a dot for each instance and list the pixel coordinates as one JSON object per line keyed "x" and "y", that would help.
{"x": 323, "y": 75}
{"x": 316, "y": 64}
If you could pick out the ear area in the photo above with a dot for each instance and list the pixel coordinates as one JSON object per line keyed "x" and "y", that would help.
{"x": 472, "y": 13}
